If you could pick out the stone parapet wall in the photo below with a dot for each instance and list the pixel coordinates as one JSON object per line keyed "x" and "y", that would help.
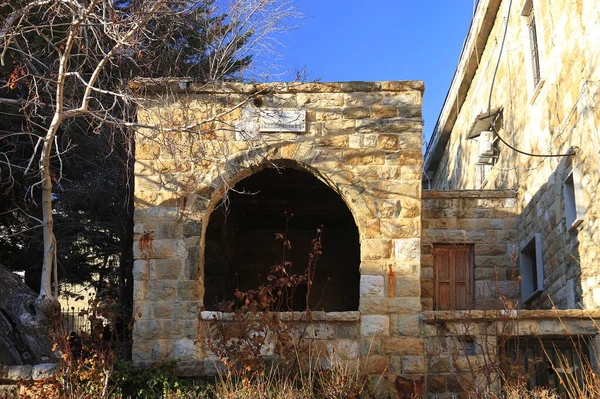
{"x": 483, "y": 219}
{"x": 462, "y": 344}
{"x": 362, "y": 139}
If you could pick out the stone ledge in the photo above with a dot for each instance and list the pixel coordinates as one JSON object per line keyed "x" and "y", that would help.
{"x": 186, "y": 85}
{"x": 352, "y": 316}
{"x": 476, "y": 194}
{"x": 27, "y": 372}
{"x": 432, "y": 317}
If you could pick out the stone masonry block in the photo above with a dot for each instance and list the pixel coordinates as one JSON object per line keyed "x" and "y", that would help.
{"x": 371, "y": 286}
{"x": 373, "y": 249}
{"x": 408, "y": 249}
{"x": 374, "y": 325}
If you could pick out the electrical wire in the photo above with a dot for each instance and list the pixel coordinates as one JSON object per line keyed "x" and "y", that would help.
{"x": 570, "y": 153}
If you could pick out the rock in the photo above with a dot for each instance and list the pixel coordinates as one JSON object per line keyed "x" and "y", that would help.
{"x": 43, "y": 371}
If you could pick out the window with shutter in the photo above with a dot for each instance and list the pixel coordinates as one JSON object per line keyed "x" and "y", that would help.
{"x": 453, "y": 268}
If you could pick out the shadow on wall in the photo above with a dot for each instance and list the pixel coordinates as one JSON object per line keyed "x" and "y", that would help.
{"x": 545, "y": 214}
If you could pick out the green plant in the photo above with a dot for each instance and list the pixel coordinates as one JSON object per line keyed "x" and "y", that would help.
{"x": 156, "y": 381}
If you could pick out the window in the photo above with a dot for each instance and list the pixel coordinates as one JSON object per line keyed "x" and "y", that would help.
{"x": 546, "y": 362}
{"x": 532, "y": 269}
{"x": 573, "y": 199}
{"x": 482, "y": 173}
{"x": 453, "y": 268}
{"x": 532, "y": 47}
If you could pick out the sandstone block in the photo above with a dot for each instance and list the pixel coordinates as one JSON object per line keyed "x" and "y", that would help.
{"x": 413, "y": 365}
{"x": 409, "y": 325}
{"x": 328, "y": 114}
{"x": 147, "y": 151}
{"x": 404, "y": 346}
{"x": 190, "y": 368}
{"x": 141, "y": 269}
{"x": 408, "y": 286}
{"x": 372, "y": 249}
{"x": 320, "y": 100}
{"x": 391, "y": 125}
{"x": 359, "y": 86}
{"x": 354, "y": 157}
{"x": 410, "y": 111}
{"x": 361, "y": 99}
{"x": 372, "y": 228}
{"x": 377, "y": 365}
{"x": 403, "y": 85}
{"x": 406, "y": 268}
{"x": 346, "y": 349}
{"x": 369, "y": 140}
{"x": 396, "y": 305}
{"x": 185, "y": 349}
{"x": 167, "y": 269}
{"x": 356, "y": 113}
{"x": 163, "y": 310}
{"x": 187, "y": 290}
{"x": 400, "y": 228}
{"x": 350, "y": 331}
{"x": 146, "y": 330}
{"x": 407, "y": 249}
{"x": 355, "y": 141}
{"x": 16, "y": 373}
{"x": 387, "y": 142}
{"x": 384, "y": 112}
{"x": 371, "y": 286}
{"x": 338, "y": 141}
{"x": 377, "y": 325}
{"x": 43, "y": 371}
{"x": 156, "y": 249}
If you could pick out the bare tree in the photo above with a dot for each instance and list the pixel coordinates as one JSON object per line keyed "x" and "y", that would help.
{"x": 66, "y": 65}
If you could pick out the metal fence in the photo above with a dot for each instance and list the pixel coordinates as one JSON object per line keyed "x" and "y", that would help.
{"x": 73, "y": 321}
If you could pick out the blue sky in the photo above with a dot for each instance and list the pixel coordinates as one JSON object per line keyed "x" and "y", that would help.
{"x": 341, "y": 40}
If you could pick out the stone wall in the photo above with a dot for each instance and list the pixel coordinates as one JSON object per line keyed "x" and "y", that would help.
{"x": 551, "y": 117}
{"x": 463, "y": 347}
{"x": 484, "y": 219}
{"x": 362, "y": 139}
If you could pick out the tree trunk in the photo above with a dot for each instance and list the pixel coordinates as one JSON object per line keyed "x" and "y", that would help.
{"x": 22, "y": 335}
{"x": 48, "y": 220}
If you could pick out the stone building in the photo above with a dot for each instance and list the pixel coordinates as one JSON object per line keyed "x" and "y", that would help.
{"x": 344, "y": 156}
{"x": 521, "y": 116}
{"x": 424, "y": 277}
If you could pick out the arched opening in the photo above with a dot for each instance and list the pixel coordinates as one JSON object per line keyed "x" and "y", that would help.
{"x": 241, "y": 246}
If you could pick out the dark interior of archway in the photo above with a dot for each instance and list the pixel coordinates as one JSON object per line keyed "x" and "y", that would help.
{"x": 241, "y": 248}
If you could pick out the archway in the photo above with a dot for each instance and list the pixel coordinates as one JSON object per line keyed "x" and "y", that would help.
{"x": 240, "y": 245}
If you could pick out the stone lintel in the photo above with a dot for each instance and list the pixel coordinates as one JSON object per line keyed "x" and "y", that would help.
{"x": 432, "y": 317}
{"x": 434, "y": 194}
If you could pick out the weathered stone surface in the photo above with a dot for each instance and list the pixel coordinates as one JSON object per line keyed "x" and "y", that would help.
{"x": 371, "y": 286}
{"x": 407, "y": 249}
{"x": 16, "y": 373}
{"x": 356, "y": 112}
{"x": 396, "y": 305}
{"x": 373, "y": 249}
{"x": 365, "y": 143}
{"x": 409, "y": 325}
{"x": 43, "y": 371}
{"x": 374, "y": 325}
{"x": 413, "y": 365}
{"x": 363, "y": 157}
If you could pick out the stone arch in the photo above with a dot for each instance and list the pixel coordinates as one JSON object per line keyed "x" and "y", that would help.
{"x": 343, "y": 185}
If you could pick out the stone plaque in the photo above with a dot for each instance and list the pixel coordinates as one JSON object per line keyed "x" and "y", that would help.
{"x": 278, "y": 120}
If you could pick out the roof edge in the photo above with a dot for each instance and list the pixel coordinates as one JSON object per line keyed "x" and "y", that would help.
{"x": 474, "y": 45}
{"x": 189, "y": 85}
